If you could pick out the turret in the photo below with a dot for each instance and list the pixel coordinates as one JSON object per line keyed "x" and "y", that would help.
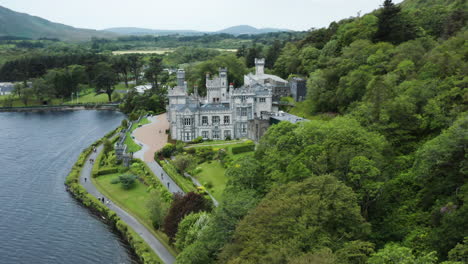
{"x": 181, "y": 78}
{"x": 259, "y": 66}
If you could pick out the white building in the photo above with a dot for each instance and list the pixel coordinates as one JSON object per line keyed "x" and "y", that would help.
{"x": 280, "y": 87}
{"x": 224, "y": 113}
{"x": 142, "y": 88}
{"x": 6, "y": 88}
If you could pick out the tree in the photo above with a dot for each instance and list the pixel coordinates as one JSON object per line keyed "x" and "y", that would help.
{"x": 135, "y": 64}
{"x": 190, "y": 228}
{"x": 121, "y": 65}
{"x": 235, "y": 205}
{"x": 295, "y": 219}
{"x": 158, "y": 208}
{"x": 183, "y": 162}
{"x": 393, "y": 26}
{"x": 253, "y": 53}
{"x": 181, "y": 206}
{"x": 105, "y": 79}
{"x": 395, "y": 254}
{"x": 26, "y": 95}
{"x": 272, "y": 54}
{"x": 153, "y": 71}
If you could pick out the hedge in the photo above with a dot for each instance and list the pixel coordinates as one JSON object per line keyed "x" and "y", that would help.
{"x": 151, "y": 180}
{"x": 243, "y": 148}
{"x": 106, "y": 171}
{"x": 183, "y": 182}
{"x": 141, "y": 248}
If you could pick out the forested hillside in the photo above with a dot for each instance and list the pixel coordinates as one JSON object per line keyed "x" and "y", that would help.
{"x": 381, "y": 179}
{"x": 23, "y": 25}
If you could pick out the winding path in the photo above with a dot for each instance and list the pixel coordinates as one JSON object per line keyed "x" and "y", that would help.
{"x": 151, "y": 141}
{"x": 145, "y": 234}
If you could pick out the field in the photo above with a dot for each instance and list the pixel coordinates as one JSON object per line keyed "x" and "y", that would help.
{"x": 154, "y": 51}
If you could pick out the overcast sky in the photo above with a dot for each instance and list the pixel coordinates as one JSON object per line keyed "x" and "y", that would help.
{"x": 204, "y": 15}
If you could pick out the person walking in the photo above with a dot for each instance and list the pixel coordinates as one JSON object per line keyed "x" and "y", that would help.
{"x": 85, "y": 179}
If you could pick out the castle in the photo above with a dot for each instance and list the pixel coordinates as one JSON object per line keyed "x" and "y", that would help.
{"x": 226, "y": 112}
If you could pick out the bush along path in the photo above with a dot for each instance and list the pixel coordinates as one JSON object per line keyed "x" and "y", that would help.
{"x": 146, "y": 235}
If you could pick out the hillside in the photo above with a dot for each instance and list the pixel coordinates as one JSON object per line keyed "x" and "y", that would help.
{"x": 23, "y": 25}
{"x": 146, "y": 31}
{"x": 249, "y": 30}
{"x": 236, "y": 30}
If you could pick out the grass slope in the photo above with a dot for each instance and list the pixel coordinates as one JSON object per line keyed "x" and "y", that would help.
{"x": 133, "y": 201}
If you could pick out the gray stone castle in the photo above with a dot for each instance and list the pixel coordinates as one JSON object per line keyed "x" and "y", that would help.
{"x": 226, "y": 112}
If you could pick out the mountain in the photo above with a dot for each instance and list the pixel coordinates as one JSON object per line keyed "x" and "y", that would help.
{"x": 236, "y": 30}
{"x": 246, "y": 29}
{"x": 23, "y": 25}
{"x": 146, "y": 31}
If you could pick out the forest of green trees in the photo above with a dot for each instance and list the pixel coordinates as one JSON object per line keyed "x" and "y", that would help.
{"x": 381, "y": 179}
{"x": 383, "y": 182}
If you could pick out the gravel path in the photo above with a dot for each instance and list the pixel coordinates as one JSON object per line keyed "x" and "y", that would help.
{"x": 145, "y": 234}
{"x": 151, "y": 141}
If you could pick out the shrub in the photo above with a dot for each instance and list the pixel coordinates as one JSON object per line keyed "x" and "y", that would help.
{"x": 208, "y": 185}
{"x": 191, "y": 150}
{"x": 106, "y": 171}
{"x": 108, "y": 147}
{"x": 183, "y": 163}
{"x": 180, "y": 146}
{"x": 197, "y": 140}
{"x": 168, "y": 150}
{"x": 243, "y": 148}
{"x": 133, "y": 116}
{"x": 205, "y": 153}
{"x": 124, "y": 123}
{"x": 128, "y": 181}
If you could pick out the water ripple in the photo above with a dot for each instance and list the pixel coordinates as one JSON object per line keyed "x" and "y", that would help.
{"x": 39, "y": 221}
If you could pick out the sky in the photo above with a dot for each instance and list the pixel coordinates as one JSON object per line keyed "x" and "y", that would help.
{"x": 202, "y": 15}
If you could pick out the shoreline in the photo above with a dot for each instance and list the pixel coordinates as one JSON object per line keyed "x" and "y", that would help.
{"x": 105, "y": 107}
{"x": 74, "y": 186}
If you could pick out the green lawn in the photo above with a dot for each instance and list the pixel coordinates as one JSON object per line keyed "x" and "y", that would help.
{"x": 17, "y": 102}
{"x": 133, "y": 201}
{"x": 213, "y": 173}
{"x": 216, "y": 142}
{"x": 131, "y": 145}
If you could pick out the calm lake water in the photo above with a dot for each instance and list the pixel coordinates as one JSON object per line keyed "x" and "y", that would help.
{"x": 39, "y": 221}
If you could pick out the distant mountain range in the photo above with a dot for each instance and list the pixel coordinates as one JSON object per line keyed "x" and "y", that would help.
{"x": 23, "y": 25}
{"x": 26, "y": 26}
{"x": 236, "y": 30}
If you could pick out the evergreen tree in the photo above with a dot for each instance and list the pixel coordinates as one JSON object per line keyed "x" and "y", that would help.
{"x": 393, "y": 26}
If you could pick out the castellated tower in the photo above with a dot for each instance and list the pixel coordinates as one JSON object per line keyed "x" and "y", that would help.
{"x": 259, "y": 66}
{"x": 216, "y": 88}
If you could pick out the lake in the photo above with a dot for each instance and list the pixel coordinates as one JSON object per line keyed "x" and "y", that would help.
{"x": 39, "y": 221}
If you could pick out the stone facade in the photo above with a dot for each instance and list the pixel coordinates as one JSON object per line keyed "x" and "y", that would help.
{"x": 279, "y": 87}
{"x": 226, "y": 112}
{"x": 298, "y": 89}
